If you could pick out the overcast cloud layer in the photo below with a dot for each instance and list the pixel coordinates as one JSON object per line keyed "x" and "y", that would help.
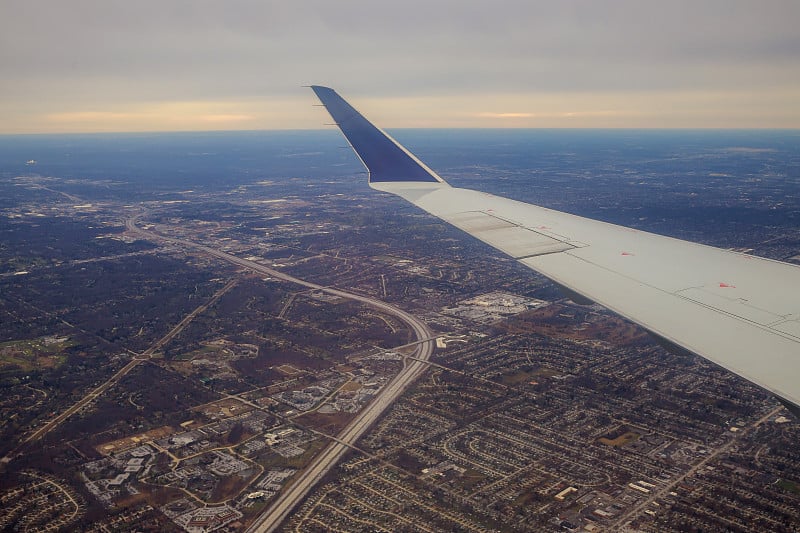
{"x": 107, "y": 65}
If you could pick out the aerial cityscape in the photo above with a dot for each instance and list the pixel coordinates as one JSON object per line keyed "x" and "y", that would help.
{"x": 232, "y": 332}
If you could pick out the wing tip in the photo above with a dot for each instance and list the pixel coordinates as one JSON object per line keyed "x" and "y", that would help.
{"x": 317, "y": 88}
{"x": 385, "y": 159}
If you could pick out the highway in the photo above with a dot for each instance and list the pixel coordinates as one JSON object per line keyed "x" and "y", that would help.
{"x": 280, "y": 509}
{"x": 413, "y": 366}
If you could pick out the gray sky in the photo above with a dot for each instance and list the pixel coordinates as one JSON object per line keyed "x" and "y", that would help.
{"x": 109, "y": 65}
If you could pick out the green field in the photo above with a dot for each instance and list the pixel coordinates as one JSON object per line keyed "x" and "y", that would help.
{"x": 30, "y": 354}
{"x": 621, "y": 440}
{"x": 791, "y": 486}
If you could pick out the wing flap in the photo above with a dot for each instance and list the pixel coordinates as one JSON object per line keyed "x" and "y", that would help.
{"x": 512, "y": 239}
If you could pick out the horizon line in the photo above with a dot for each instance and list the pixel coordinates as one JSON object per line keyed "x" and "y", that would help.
{"x": 474, "y": 128}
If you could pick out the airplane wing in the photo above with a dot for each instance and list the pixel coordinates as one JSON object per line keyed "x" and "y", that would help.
{"x": 737, "y": 310}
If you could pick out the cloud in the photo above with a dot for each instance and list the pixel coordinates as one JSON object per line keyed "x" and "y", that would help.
{"x": 566, "y": 114}
{"x": 153, "y": 116}
{"x": 226, "y": 118}
{"x": 505, "y": 115}
{"x": 93, "y": 116}
{"x": 105, "y": 54}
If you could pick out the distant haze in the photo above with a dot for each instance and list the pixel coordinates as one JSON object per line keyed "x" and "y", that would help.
{"x": 111, "y": 65}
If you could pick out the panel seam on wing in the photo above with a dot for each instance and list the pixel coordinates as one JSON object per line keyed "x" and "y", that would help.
{"x": 763, "y": 327}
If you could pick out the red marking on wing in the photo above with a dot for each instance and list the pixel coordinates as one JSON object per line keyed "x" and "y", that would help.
{"x": 726, "y": 286}
{"x": 627, "y": 253}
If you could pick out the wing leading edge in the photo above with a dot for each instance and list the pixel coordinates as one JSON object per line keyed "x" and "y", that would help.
{"x": 739, "y": 311}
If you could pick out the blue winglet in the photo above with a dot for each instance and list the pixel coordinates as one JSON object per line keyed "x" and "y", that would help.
{"x": 385, "y": 158}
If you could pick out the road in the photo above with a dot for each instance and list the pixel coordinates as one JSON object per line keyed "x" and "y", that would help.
{"x": 413, "y": 366}
{"x": 121, "y": 373}
{"x": 276, "y": 513}
{"x": 623, "y": 521}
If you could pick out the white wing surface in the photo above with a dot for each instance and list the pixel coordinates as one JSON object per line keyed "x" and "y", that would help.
{"x": 737, "y": 310}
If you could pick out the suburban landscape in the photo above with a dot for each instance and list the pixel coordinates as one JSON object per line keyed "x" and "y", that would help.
{"x": 280, "y": 351}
